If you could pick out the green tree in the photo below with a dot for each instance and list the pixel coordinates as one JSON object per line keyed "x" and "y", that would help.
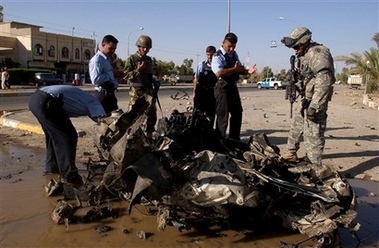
{"x": 185, "y": 68}
{"x": 266, "y": 72}
{"x": 10, "y": 63}
{"x": 375, "y": 38}
{"x": 365, "y": 64}
{"x": 281, "y": 75}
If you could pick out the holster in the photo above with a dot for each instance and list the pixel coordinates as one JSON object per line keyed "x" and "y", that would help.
{"x": 107, "y": 88}
{"x": 221, "y": 83}
{"x": 55, "y": 102}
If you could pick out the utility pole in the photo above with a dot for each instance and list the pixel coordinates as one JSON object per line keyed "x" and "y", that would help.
{"x": 228, "y": 16}
{"x": 94, "y": 42}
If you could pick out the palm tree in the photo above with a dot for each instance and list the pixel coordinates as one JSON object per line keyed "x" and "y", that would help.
{"x": 365, "y": 64}
{"x": 376, "y": 39}
{"x": 356, "y": 61}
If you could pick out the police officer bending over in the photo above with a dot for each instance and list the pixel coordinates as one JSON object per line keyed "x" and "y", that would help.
{"x": 53, "y": 106}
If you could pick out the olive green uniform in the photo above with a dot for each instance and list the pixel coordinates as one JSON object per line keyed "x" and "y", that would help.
{"x": 142, "y": 83}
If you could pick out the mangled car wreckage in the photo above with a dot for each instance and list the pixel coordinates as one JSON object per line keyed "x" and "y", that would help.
{"x": 187, "y": 171}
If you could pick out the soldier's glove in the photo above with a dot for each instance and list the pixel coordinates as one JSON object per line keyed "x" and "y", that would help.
{"x": 311, "y": 114}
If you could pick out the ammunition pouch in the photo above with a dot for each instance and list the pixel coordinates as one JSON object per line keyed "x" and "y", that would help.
{"x": 107, "y": 88}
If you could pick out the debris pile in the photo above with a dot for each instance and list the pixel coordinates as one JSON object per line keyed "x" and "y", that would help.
{"x": 187, "y": 171}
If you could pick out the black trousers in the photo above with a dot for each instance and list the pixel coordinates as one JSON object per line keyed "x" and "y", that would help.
{"x": 205, "y": 102}
{"x": 228, "y": 101}
{"x": 61, "y": 136}
{"x": 108, "y": 100}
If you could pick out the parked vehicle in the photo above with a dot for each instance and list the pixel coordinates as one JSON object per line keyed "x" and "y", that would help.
{"x": 270, "y": 82}
{"x": 45, "y": 79}
{"x": 354, "y": 81}
{"x": 174, "y": 79}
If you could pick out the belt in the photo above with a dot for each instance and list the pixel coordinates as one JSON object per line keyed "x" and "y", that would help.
{"x": 45, "y": 94}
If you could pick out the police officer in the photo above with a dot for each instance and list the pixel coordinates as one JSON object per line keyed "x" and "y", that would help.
{"x": 227, "y": 68}
{"x": 315, "y": 66}
{"x": 53, "y": 106}
{"x": 102, "y": 74}
{"x": 139, "y": 72}
{"x": 203, "y": 86}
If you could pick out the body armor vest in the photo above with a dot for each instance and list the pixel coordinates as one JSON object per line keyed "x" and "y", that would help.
{"x": 207, "y": 78}
{"x": 146, "y": 76}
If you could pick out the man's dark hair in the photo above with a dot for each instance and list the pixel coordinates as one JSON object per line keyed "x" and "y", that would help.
{"x": 231, "y": 37}
{"x": 210, "y": 49}
{"x": 109, "y": 38}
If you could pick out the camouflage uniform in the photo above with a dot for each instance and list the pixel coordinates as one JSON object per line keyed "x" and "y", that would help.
{"x": 141, "y": 83}
{"x": 316, "y": 69}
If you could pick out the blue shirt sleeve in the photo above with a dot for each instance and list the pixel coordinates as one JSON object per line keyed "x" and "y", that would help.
{"x": 199, "y": 69}
{"x": 218, "y": 63}
{"x": 101, "y": 70}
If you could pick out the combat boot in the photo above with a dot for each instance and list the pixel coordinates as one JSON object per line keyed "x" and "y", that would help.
{"x": 290, "y": 157}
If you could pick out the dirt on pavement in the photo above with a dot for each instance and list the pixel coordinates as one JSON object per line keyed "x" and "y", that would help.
{"x": 352, "y": 148}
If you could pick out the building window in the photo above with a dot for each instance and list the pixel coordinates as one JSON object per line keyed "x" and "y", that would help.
{"x": 64, "y": 52}
{"x": 87, "y": 54}
{"x": 51, "y": 51}
{"x": 38, "y": 50}
{"x": 77, "y": 53}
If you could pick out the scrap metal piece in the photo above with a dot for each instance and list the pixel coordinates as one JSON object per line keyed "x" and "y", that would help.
{"x": 180, "y": 95}
{"x": 53, "y": 187}
{"x": 63, "y": 212}
{"x": 103, "y": 228}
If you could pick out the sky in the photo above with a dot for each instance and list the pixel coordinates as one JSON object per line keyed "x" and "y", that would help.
{"x": 182, "y": 29}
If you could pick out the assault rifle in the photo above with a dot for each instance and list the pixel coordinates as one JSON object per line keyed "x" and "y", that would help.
{"x": 291, "y": 89}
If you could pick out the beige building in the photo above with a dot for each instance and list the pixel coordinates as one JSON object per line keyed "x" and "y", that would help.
{"x": 27, "y": 45}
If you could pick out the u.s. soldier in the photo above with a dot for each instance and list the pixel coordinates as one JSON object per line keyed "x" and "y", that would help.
{"x": 315, "y": 66}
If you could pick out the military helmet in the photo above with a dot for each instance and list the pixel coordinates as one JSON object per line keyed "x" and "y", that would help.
{"x": 298, "y": 36}
{"x": 144, "y": 41}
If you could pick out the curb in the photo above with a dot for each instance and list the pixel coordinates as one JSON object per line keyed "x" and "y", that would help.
{"x": 7, "y": 122}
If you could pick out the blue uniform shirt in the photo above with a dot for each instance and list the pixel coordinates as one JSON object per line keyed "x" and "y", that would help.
{"x": 101, "y": 70}
{"x": 76, "y": 102}
{"x": 219, "y": 62}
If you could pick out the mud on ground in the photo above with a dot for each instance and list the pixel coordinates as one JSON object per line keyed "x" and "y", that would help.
{"x": 352, "y": 136}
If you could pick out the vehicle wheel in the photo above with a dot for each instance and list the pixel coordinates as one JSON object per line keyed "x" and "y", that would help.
{"x": 259, "y": 86}
{"x": 276, "y": 86}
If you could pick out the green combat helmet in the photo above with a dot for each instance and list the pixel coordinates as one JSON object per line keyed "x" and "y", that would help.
{"x": 298, "y": 36}
{"x": 144, "y": 41}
